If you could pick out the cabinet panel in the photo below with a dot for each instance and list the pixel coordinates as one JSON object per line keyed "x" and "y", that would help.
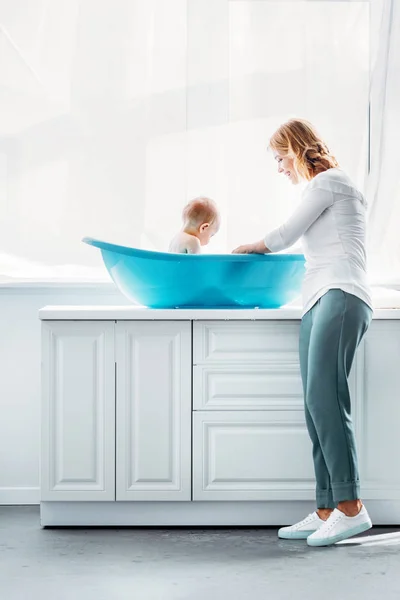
{"x": 153, "y": 410}
{"x": 378, "y": 406}
{"x": 78, "y": 413}
{"x": 252, "y": 456}
{"x": 242, "y": 387}
{"x": 247, "y": 342}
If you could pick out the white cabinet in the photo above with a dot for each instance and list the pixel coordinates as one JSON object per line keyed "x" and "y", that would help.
{"x": 251, "y": 456}
{"x": 78, "y": 412}
{"x": 140, "y": 414}
{"x": 250, "y": 440}
{"x": 153, "y": 410}
{"x": 379, "y": 412}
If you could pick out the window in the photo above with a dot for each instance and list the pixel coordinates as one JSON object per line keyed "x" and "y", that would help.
{"x": 114, "y": 115}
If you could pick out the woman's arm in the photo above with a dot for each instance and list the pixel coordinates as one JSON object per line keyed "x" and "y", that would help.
{"x": 312, "y": 206}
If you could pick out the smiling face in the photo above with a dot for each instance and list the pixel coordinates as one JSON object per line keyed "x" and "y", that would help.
{"x": 286, "y": 166}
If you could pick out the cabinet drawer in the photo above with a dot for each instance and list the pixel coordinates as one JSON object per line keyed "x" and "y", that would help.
{"x": 246, "y": 342}
{"x": 237, "y": 387}
{"x": 252, "y": 456}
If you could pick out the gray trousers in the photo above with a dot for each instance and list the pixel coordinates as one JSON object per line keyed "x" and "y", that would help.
{"x": 330, "y": 333}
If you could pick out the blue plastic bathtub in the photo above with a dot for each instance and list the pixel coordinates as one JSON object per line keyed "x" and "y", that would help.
{"x": 163, "y": 280}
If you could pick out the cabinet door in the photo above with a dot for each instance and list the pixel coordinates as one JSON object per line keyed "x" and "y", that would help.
{"x": 154, "y": 410}
{"x": 78, "y": 412}
{"x": 378, "y": 406}
{"x": 255, "y": 455}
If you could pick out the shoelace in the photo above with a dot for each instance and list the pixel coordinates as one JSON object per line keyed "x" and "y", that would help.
{"x": 309, "y": 518}
{"x": 328, "y": 526}
{"x": 306, "y": 520}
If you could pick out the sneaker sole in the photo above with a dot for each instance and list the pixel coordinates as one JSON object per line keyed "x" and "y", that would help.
{"x": 295, "y": 535}
{"x": 341, "y": 536}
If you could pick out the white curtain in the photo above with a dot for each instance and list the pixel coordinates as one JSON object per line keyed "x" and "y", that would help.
{"x": 383, "y": 186}
{"x": 113, "y": 113}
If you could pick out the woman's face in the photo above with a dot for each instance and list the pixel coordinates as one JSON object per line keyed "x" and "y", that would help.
{"x": 286, "y": 166}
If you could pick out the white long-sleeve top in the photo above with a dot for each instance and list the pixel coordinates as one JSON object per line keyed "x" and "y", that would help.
{"x": 330, "y": 219}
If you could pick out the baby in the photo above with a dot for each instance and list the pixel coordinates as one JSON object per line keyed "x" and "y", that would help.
{"x": 201, "y": 221}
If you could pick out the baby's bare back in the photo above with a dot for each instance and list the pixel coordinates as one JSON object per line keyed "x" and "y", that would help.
{"x": 184, "y": 243}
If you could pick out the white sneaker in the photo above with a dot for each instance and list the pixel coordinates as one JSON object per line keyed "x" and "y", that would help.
{"x": 303, "y": 529}
{"x": 340, "y": 527}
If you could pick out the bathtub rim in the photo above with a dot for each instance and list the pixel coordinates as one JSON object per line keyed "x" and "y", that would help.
{"x": 175, "y": 257}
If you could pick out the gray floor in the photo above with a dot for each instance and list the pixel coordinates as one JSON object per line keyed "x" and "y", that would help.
{"x": 206, "y": 564}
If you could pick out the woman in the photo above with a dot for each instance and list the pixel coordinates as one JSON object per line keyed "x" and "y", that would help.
{"x": 337, "y": 312}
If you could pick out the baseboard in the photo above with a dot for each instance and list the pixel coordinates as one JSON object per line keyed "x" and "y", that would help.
{"x": 173, "y": 513}
{"x": 19, "y": 495}
{"x": 214, "y": 514}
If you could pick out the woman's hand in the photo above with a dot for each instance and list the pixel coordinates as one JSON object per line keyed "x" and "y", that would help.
{"x": 256, "y": 248}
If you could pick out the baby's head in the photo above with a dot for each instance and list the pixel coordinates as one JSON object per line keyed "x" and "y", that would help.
{"x": 201, "y": 218}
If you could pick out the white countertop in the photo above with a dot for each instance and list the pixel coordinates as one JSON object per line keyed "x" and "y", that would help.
{"x": 134, "y": 313}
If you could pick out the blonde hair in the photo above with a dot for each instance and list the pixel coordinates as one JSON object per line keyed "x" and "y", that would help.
{"x": 200, "y": 210}
{"x": 300, "y": 140}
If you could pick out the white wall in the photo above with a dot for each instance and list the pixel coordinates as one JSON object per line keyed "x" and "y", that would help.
{"x": 113, "y": 114}
{"x": 20, "y": 382}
